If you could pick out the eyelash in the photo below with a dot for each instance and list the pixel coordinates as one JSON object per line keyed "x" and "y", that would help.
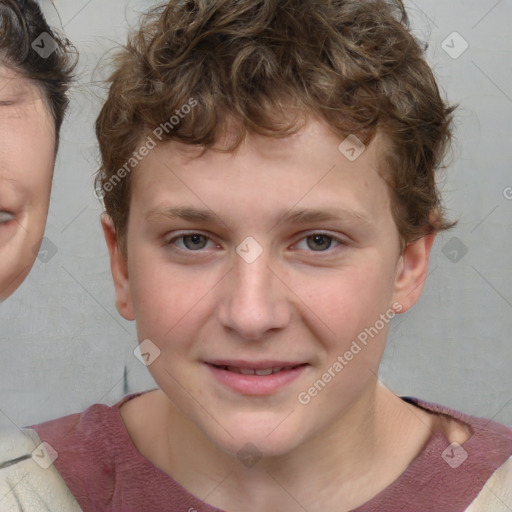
{"x": 338, "y": 241}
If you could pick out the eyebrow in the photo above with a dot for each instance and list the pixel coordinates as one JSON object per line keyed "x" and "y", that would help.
{"x": 180, "y": 212}
{"x": 304, "y": 216}
{"x": 294, "y": 216}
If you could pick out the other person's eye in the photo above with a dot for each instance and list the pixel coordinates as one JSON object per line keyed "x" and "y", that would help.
{"x": 6, "y": 217}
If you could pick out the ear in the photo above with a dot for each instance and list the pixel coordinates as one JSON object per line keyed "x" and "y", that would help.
{"x": 412, "y": 270}
{"x": 119, "y": 269}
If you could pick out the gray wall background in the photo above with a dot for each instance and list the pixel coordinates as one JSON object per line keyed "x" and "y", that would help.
{"x": 63, "y": 345}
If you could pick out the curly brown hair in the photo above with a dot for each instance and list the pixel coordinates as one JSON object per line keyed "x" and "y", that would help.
{"x": 265, "y": 66}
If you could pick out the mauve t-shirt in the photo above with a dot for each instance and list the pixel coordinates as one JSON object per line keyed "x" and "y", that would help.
{"x": 105, "y": 472}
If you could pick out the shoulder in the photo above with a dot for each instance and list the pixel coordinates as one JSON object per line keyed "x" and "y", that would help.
{"x": 487, "y": 439}
{"x": 93, "y": 447}
{"x": 469, "y": 460}
{"x": 96, "y": 429}
{"x": 29, "y": 481}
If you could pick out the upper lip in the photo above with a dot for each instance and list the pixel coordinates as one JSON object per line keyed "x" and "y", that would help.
{"x": 254, "y": 365}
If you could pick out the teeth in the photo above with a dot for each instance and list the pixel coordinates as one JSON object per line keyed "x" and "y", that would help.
{"x": 268, "y": 371}
{"x": 262, "y": 372}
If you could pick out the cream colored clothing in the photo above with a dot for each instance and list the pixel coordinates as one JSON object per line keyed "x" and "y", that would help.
{"x": 29, "y": 482}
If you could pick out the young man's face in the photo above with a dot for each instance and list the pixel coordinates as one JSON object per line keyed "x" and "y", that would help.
{"x": 280, "y": 254}
{"x": 27, "y": 154}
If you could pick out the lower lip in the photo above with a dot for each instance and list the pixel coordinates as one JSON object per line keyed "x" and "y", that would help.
{"x": 256, "y": 385}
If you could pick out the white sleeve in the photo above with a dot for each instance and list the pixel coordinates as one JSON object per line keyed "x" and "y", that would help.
{"x": 496, "y": 495}
{"x": 29, "y": 482}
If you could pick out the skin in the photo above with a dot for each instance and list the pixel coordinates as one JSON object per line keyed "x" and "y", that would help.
{"x": 293, "y": 303}
{"x": 27, "y": 157}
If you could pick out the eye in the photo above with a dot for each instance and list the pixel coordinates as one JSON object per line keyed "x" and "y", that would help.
{"x": 319, "y": 242}
{"x": 6, "y": 217}
{"x": 190, "y": 242}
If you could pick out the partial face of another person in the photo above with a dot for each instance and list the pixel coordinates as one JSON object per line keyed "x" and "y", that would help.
{"x": 27, "y": 157}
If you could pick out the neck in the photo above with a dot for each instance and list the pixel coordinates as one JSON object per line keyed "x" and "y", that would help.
{"x": 360, "y": 454}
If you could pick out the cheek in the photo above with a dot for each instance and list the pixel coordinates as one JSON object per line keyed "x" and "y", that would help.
{"x": 27, "y": 156}
{"x": 346, "y": 300}
{"x": 165, "y": 299}
{"x": 35, "y": 174}
{"x": 26, "y": 164}
{"x": 39, "y": 160}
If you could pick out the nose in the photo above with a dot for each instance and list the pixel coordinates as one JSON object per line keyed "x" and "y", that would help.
{"x": 253, "y": 300}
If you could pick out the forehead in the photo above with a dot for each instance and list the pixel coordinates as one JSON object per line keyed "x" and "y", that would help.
{"x": 264, "y": 175}
{"x": 12, "y": 81}
{"x": 22, "y": 92}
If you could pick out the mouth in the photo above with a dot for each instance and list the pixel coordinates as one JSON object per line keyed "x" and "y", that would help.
{"x": 256, "y": 378}
{"x": 257, "y": 371}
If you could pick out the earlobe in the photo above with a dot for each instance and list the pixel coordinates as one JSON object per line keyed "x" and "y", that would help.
{"x": 412, "y": 270}
{"x": 119, "y": 268}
